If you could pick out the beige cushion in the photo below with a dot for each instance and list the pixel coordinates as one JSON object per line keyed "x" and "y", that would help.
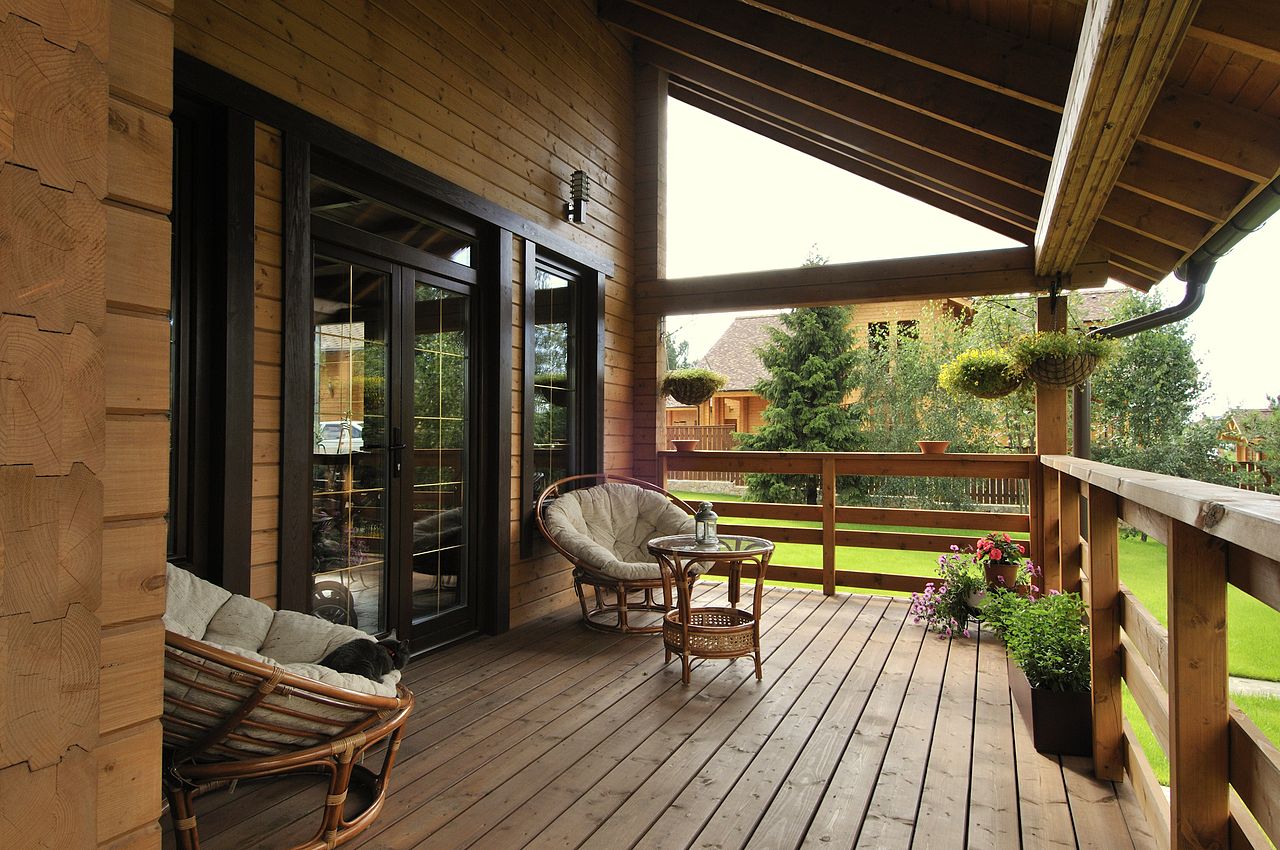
{"x": 608, "y": 527}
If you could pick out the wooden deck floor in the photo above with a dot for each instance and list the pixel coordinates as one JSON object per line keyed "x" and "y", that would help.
{"x": 865, "y": 732}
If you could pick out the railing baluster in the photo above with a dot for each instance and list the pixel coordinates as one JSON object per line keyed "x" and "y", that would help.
{"x": 829, "y": 526}
{"x": 1104, "y": 630}
{"x": 1050, "y": 515}
{"x": 1069, "y": 530}
{"x": 1198, "y": 711}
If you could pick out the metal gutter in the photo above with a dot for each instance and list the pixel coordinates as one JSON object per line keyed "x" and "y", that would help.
{"x": 1196, "y": 271}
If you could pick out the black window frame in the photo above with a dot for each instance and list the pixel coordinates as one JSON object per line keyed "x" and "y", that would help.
{"x": 212, "y": 309}
{"x": 587, "y": 420}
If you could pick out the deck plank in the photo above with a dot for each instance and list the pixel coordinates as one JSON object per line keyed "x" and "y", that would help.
{"x": 891, "y": 816}
{"x": 639, "y": 747}
{"x": 848, "y": 795}
{"x": 786, "y": 820}
{"x": 993, "y": 798}
{"x": 1095, "y": 808}
{"x": 865, "y": 731}
{"x": 944, "y": 801}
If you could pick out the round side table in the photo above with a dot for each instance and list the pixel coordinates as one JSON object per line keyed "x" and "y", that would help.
{"x": 726, "y": 632}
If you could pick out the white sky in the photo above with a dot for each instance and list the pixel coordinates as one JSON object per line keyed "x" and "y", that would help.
{"x": 737, "y": 201}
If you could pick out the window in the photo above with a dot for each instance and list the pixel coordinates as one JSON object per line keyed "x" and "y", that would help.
{"x": 908, "y": 329}
{"x": 877, "y": 335}
{"x": 563, "y": 375}
{"x": 211, "y": 342}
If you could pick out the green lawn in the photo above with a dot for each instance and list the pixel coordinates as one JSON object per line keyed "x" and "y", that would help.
{"x": 1252, "y": 627}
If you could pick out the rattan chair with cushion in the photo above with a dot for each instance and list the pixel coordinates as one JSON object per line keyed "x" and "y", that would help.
{"x": 244, "y": 698}
{"x": 603, "y": 525}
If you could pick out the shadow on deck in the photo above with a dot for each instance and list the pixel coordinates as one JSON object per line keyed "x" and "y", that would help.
{"x": 865, "y": 732}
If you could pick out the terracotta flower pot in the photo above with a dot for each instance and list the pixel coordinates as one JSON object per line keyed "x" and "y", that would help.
{"x": 933, "y": 447}
{"x": 996, "y": 570}
{"x": 1060, "y": 723}
{"x": 685, "y": 445}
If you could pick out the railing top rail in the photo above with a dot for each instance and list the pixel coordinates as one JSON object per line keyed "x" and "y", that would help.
{"x": 1249, "y": 520}
{"x": 919, "y": 457}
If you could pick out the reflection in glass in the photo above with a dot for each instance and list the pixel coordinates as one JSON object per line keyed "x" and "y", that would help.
{"x": 349, "y": 467}
{"x": 439, "y": 450}
{"x": 337, "y": 203}
{"x": 554, "y": 391}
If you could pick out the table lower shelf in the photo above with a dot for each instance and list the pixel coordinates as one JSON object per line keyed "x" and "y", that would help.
{"x": 713, "y": 633}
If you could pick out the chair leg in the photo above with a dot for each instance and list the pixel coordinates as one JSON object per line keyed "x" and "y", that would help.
{"x": 183, "y": 812}
{"x": 622, "y": 608}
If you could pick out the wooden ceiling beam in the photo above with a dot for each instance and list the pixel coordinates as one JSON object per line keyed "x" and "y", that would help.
{"x": 1003, "y": 62}
{"x": 953, "y": 101}
{"x": 1000, "y": 272}
{"x": 1173, "y": 227}
{"x": 1214, "y": 133}
{"x": 1250, "y": 27}
{"x": 1022, "y": 199}
{"x": 883, "y": 173}
{"x": 1126, "y": 50}
{"x": 684, "y": 50}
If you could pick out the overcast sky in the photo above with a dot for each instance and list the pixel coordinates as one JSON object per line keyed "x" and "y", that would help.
{"x": 740, "y": 202}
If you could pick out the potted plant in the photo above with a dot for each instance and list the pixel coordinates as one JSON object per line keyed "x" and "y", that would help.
{"x": 1048, "y": 648}
{"x": 1060, "y": 359}
{"x": 1002, "y": 560}
{"x": 985, "y": 373}
{"x": 948, "y": 605}
{"x": 692, "y": 386}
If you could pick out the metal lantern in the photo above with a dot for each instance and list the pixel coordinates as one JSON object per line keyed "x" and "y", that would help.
{"x": 704, "y": 526}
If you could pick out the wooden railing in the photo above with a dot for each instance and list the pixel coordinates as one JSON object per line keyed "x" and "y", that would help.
{"x": 716, "y": 438}
{"x": 827, "y": 467}
{"x": 1224, "y": 772}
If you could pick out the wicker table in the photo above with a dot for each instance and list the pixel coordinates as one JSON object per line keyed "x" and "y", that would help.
{"x": 710, "y": 632}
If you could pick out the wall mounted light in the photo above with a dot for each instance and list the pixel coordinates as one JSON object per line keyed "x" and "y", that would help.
{"x": 579, "y": 196}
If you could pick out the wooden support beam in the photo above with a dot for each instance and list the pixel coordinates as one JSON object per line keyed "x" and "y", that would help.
{"x": 1069, "y": 531}
{"x": 1126, "y": 50}
{"x": 1199, "y": 722}
{"x": 1051, "y": 404}
{"x": 1001, "y": 271}
{"x": 889, "y": 78}
{"x": 1104, "y": 632}
{"x": 829, "y": 526}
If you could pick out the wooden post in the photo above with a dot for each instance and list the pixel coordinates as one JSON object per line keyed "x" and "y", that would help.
{"x": 1198, "y": 708}
{"x": 650, "y": 264}
{"x": 1069, "y": 531}
{"x": 1051, "y": 439}
{"x": 829, "y": 525}
{"x": 1104, "y": 630}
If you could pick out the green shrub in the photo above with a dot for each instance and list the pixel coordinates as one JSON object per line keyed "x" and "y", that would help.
{"x": 986, "y": 373}
{"x": 1047, "y": 639}
{"x": 1001, "y": 608}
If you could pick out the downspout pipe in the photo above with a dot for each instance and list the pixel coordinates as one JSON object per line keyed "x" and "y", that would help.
{"x": 1196, "y": 271}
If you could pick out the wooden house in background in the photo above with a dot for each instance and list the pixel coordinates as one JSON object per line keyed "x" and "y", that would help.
{"x": 209, "y": 208}
{"x": 736, "y": 356}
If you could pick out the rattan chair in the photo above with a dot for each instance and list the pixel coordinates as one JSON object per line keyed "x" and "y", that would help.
{"x": 228, "y": 717}
{"x": 621, "y": 572}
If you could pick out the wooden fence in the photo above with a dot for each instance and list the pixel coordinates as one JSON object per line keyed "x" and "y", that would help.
{"x": 1224, "y": 772}
{"x": 824, "y": 532}
{"x": 718, "y": 438}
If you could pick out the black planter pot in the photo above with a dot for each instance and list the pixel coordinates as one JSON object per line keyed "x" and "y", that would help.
{"x": 1060, "y": 723}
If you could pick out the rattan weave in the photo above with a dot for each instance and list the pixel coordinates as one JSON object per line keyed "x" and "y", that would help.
{"x": 713, "y": 632}
{"x": 1062, "y": 372}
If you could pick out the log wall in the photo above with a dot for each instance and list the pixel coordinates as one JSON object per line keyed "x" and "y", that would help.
{"x": 85, "y": 141}
{"x": 504, "y": 98}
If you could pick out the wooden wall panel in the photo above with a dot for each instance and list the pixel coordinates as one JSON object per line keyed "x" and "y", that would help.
{"x": 504, "y": 98}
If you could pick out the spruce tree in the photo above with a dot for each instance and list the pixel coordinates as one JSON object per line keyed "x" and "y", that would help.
{"x": 811, "y": 367}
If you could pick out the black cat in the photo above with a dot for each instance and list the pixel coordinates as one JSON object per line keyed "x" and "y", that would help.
{"x": 371, "y": 659}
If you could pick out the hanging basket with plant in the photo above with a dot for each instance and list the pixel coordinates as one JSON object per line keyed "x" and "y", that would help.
{"x": 985, "y": 373}
{"x": 692, "y": 386}
{"x": 1060, "y": 359}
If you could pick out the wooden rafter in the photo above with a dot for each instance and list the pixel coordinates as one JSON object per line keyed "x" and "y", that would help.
{"x": 886, "y": 174}
{"x": 888, "y": 78}
{"x": 1126, "y": 49}
{"x": 999, "y": 272}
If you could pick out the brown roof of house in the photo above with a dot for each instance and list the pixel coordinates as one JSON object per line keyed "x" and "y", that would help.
{"x": 736, "y": 353}
{"x": 1097, "y": 305}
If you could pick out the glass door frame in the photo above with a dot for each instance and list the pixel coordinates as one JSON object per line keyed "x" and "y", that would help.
{"x": 408, "y": 266}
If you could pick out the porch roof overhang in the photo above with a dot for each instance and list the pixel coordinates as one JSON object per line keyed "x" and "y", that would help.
{"x": 1136, "y": 129}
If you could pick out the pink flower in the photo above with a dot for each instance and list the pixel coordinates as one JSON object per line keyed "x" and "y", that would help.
{"x": 955, "y": 548}
{"x": 965, "y": 633}
{"x": 1021, "y": 549}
